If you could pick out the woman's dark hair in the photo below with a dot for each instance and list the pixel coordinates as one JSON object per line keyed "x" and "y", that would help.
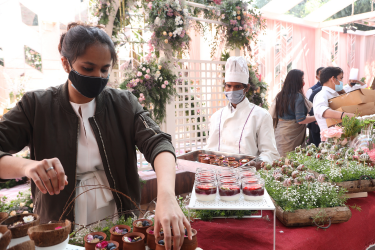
{"x": 292, "y": 86}
{"x": 78, "y": 37}
{"x": 328, "y": 72}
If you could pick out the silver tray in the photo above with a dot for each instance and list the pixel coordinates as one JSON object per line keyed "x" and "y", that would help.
{"x": 189, "y": 161}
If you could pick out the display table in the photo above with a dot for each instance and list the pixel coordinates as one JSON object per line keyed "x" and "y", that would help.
{"x": 264, "y": 204}
{"x": 356, "y": 234}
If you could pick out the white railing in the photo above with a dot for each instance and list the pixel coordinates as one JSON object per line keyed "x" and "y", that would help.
{"x": 199, "y": 95}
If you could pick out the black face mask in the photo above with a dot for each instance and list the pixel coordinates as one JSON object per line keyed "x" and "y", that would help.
{"x": 88, "y": 86}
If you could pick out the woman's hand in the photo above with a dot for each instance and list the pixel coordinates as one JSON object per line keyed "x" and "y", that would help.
{"x": 54, "y": 180}
{"x": 168, "y": 214}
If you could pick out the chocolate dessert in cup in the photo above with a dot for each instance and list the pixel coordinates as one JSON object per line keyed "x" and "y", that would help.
{"x": 92, "y": 239}
{"x": 253, "y": 191}
{"x": 230, "y": 158}
{"x": 134, "y": 241}
{"x": 205, "y": 160}
{"x": 107, "y": 245}
{"x": 141, "y": 225}
{"x": 200, "y": 156}
{"x": 234, "y": 164}
{"x": 229, "y": 191}
{"x": 214, "y": 162}
{"x": 205, "y": 190}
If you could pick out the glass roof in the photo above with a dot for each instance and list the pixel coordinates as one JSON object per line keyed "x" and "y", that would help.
{"x": 260, "y": 3}
{"x": 305, "y": 7}
{"x": 360, "y": 6}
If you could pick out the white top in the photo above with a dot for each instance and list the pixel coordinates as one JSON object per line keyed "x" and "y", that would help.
{"x": 348, "y": 87}
{"x": 320, "y": 104}
{"x": 95, "y": 204}
{"x": 308, "y": 93}
{"x": 258, "y": 135}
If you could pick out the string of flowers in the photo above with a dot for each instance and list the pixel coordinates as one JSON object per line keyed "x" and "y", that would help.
{"x": 168, "y": 20}
{"x": 152, "y": 83}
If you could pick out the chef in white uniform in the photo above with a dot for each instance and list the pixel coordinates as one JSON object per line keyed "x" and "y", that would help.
{"x": 241, "y": 127}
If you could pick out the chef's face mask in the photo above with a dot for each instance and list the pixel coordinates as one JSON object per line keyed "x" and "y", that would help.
{"x": 88, "y": 86}
{"x": 235, "y": 96}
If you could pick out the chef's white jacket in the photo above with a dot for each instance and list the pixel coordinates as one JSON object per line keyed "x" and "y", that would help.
{"x": 246, "y": 130}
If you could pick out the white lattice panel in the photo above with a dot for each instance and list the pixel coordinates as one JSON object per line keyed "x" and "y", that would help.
{"x": 199, "y": 96}
{"x": 264, "y": 204}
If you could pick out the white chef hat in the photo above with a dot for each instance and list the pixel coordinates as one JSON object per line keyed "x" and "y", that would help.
{"x": 237, "y": 70}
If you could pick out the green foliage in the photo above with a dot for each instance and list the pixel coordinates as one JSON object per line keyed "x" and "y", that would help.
{"x": 33, "y": 58}
{"x": 13, "y": 183}
{"x": 208, "y": 215}
{"x": 356, "y": 207}
{"x": 22, "y": 203}
{"x": 142, "y": 183}
{"x": 351, "y": 171}
{"x": 351, "y": 126}
{"x": 308, "y": 195}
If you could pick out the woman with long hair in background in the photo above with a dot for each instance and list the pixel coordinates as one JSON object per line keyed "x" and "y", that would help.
{"x": 289, "y": 111}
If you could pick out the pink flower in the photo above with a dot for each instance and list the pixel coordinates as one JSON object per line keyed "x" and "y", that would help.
{"x": 240, "y": 28}
{"x": 223, "y": 16}
{"x": 137, "y": 80}
{"x": 150, "y": 5}
{"x": 90, "y": 238}
{"x": 147, "y": 76}
{"x": 142, "y": 95}
{"x": 217, "y": 2}
{"x": 166, "y": 82}
{"x": 139, "y": 73}
{"x": 237, "y": 7}
{"x": 56, "y": 228}
{"x": 148, "y": 71}
{"x": 235, "y": 29}
{"x": 163, "y": 86}
{"x": 333, "y": 132}
{"x": 233, "y": 22}
{"x": 140, "y": 99}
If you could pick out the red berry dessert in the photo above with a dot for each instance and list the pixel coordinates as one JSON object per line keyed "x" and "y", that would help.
{"x": 253, "y": 191}
{"x": 205, "y": 191}
{"x": 229, "y": 192}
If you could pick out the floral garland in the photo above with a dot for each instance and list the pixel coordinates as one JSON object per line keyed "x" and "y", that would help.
{"x": 152, "y": 83}
{"x": 258, "y": 88}
{"x": 168, "y": 20}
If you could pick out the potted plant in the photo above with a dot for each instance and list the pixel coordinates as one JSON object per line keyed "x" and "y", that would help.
{"x": 160, "y": 245}
{"x": 150, "y": 237}
{"x": 92, "y": 239}
{"x": 117, "y": 233}
{"x": 190, "y": 244}
{"x": 52, "y": 234}
{"x": 3, "y": 216}
{"x": 134, "y": 241}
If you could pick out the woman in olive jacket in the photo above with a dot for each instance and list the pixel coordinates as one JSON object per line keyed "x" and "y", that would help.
{"x": 82, "y": 131}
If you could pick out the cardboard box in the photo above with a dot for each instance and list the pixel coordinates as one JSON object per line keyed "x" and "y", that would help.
{"x": 361, "y": 109}
{"x": 355, "y": 97}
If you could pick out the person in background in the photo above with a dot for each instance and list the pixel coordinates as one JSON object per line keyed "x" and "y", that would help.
{"x": 354, "y": 85}
{"x": 317, "y": 85}
{"x": 241, "y": 127}
{"x": 291, "y": 108}
{"x": 331, "y": 78}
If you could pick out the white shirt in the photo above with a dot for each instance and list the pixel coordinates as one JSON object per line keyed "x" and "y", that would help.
{"x": 258, "y": 134}
{"x": 99, "y": 203}
{"x": 308, "y": 93}
{"x": 348, "y": 87}
{"x": 321, "y": 104}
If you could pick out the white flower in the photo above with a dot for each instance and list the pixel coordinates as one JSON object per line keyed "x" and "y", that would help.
{"x": 157, "y": 21}
{"x": 185, "y": 11}
{"x": 29, "y": 218}
{"x": 177, "y": 31}
{"x": 158, "y": 73}
{"x": 160, "y": 78}
{"x": 22, "y": 204}
{"x": 234, "y": 13}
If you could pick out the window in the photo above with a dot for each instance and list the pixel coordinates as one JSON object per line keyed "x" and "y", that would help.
{"x": 33, "y": 58}
{"x": 1, "y": 57}
{"x": 289, "y": 67}
{"x": 277, "y": 70}
{"x": 28, "y": 17}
